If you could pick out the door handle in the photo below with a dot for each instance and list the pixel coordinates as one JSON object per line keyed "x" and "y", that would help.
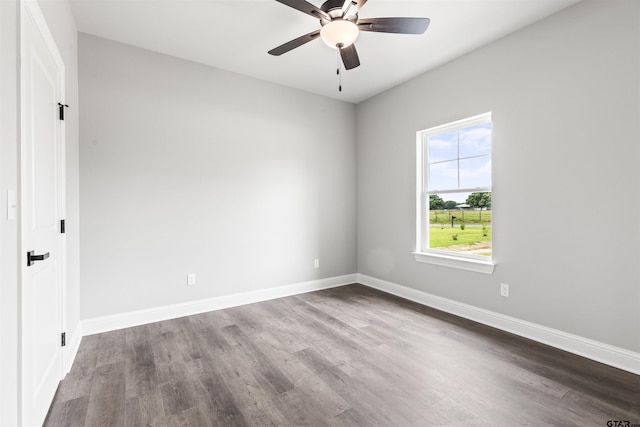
{"x": 32, "y": 258}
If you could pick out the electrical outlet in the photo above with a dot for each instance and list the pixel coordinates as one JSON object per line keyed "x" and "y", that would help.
{"x": 191, "y": 279}
{"x": 316, "y": 263}
{"x": 504, "y": 290}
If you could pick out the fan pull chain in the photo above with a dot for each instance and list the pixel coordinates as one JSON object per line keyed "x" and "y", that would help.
{"x": 338, "y": 63}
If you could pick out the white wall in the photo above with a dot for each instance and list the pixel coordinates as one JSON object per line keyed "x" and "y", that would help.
{"x": 565, "y": 95}
{"x": 190, "y": 169}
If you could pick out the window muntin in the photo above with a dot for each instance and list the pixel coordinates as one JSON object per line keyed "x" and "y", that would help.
{"x": 454, "y": 165}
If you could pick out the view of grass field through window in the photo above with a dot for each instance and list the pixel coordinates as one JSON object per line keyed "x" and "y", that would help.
{"x": 458, "y": 185}
{"x": 461, "y": 230}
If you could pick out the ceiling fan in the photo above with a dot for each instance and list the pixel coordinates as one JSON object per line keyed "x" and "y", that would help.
{"x": 340, "y": 26}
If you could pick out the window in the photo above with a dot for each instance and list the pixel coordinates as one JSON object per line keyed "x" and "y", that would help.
{"x": 454, "y": 194}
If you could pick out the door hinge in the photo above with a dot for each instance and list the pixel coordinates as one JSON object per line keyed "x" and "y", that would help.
{"x": 62, "y": 229}
{"x": 62, "y": 107}
{"x": 64, "y": 339}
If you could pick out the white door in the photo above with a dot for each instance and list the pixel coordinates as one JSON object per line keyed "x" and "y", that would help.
{"x": 42, "y": 142}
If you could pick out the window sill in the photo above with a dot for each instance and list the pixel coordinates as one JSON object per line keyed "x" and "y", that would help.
{"x": 469, "y": 264}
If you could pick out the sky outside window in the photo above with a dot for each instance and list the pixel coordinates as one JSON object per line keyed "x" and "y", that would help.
{"x": 460, "y": 159}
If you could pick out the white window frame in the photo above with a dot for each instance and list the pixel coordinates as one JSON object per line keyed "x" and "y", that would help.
{"x": 423, "y": 253}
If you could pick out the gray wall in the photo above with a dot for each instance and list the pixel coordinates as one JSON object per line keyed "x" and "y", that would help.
{"x": 189, "y": 169}
{"x": 564, "y": 94}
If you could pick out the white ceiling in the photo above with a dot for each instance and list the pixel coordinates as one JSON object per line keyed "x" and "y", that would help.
{"x": 235, "y": 35}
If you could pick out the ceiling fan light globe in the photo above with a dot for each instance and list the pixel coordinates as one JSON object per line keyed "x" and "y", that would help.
{"x": 340, "y": 33}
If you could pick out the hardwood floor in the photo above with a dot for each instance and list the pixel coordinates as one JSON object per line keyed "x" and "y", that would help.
{"x": 348, "y": 356}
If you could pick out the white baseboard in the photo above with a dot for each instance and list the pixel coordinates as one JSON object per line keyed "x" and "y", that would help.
{"x": 598, "y": 351}
{"x": 141, "y": 317}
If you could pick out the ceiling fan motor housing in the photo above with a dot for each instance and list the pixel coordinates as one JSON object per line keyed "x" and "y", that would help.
{"x": 333, "y": 8}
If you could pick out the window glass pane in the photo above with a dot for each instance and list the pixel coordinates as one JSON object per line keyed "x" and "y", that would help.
{"x": 443, "y": 176}
{"x": 443, "y": 147}
{"x": 475, "y": 172}
{"x": 475, "y": 140}
{"x": 457, "y": 224}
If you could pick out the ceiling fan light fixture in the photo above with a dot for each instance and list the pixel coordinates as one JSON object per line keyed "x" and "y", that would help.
{"x": 339, "y": 32}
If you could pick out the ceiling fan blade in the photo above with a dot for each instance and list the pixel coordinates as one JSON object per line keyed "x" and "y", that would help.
{"x": 352, "y": 6}
{"x": 395, "y": 25}
{"x": 290, "y": 45}
{"x": 349, "y": 57}
{"x": 306, "y": 7}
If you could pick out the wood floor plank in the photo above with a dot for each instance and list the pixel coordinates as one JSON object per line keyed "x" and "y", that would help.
{"x": 345, "y": 330}
{"x": 336, "y": 344}
{"x": 373, "y": 404}
{"x": 255, "y": 318}
{"x": 106, "y": 405}
{"x": 448, "y": 412}
{"x": 192, "y": 417}
{"x": 347, "y": 356}
{"x": 311, "y": 402}
{"x": 292, "y": 367}
{"x": 178, "y": 395}
{"x": 406, "y": 399}
{"x": 284, "y": 336}
{"x": 112, "y": 349}
{"x": 142, "y": 373}
{"x": 350, "y": 418}
{"x": 266, "y": 370}
{"x": 335, "y": 305}
{"x": 68, "y": 413}
{"x": 145, "y": 409}
{"x": 257, "y": 406}
{"x": 214, "y": 394}
{"x": 218, "y": 319}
